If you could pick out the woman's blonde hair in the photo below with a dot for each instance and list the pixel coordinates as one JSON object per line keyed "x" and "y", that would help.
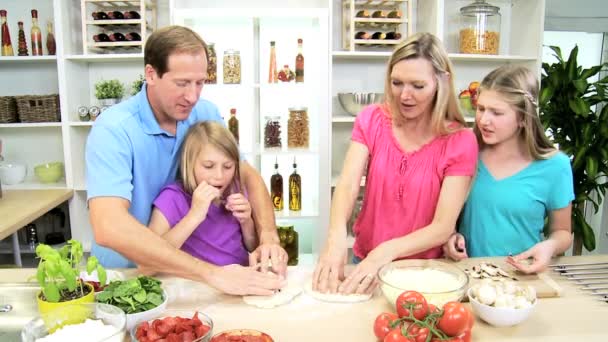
{"x": 445, "y": 106}
{"x": 518, "y": 87}
{"x": 200, "y": 134}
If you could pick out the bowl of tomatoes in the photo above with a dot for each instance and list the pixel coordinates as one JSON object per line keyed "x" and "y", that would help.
{"x": 416, "y": 320}
{"x": 175, "y": 325}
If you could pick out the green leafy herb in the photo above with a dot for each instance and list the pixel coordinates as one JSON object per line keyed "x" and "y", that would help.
{"x": 134, "y": 295}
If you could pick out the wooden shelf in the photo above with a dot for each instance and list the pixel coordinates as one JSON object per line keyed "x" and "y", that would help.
{"x": 32, "y": 184}
{"x": 113, "y": 22}
{"x": 382, "y": 21}
{"x": 377, "y": 41}
{"x": 116, "y": 44}
{"x": 114, "y": 3}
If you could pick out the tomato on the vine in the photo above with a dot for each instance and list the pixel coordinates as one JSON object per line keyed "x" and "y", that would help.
{"x": 432, "y": 308}
{"x": 418, "y": 333}
{"x": 451, "y": 339}
{"x": 455, "y": 319}
{"x": 414, "y": 300}
{"x": 383, "y": 324}
{"x": 395, "y": 335}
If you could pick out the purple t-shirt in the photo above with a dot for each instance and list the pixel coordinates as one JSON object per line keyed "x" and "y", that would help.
{"x": 217, "y": 240}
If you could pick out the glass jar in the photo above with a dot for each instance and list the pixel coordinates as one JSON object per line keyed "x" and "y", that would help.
{"x": 272, "y": 132}
{"x": 232, "y": 67}
{"x": 83, "y": 114}
{"x": 479, "y": 28}
{"x": 288, "y": 238}
{"x": 211, "y": 64}
{"x": 297, "y": 128}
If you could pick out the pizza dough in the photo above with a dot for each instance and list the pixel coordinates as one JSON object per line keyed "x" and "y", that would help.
{"x": 335, "y": 297}
{"x": 281, "y": 297}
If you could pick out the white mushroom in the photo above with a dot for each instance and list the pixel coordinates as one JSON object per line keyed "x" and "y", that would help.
{"x": 522, "y": 302}
{"x": 486, "y": 294}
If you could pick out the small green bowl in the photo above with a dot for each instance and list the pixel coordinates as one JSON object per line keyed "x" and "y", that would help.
{"x": 49, "y": 173}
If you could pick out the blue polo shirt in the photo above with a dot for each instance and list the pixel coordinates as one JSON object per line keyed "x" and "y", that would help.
{"x": 128, "y": 155}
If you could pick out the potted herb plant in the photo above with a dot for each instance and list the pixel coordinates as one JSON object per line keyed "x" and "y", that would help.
{"x": 575, "y": 113}
{"x": 137, "y": 84}
{"x": 109, "y": 92}
{"x": 58, "y": 276}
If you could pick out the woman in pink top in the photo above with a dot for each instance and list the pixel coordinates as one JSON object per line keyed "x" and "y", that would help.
{"x": 420, "y": 159}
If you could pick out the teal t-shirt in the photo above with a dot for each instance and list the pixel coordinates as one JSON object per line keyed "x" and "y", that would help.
{"x": 506, "y": 216}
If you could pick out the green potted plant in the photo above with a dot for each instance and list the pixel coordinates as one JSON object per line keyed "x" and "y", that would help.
{"x": 575, "y": 113}
{"x": 137, "y": 84}
{"x": 109, "y": 92}
{"x": 58, "y": 276}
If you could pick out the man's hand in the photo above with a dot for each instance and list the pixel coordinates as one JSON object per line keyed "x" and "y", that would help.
{"x": 269, "y": 253}
{"x": 239, "y": 280}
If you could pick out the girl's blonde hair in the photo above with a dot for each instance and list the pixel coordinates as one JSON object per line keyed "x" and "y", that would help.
{"x": 218, "y": 136}
{"x": 518, "y": 87}
{"x": 445, "y": 107}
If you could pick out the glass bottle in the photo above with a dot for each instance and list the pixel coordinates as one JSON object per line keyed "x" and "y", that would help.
{"x": 272, "y": 69}
{"x": 22, "y": 47}
{"x": 479, "y": 28}
{"x": 211, "y": 64}
{"x": 51, "y": 46}
{"x": 36, "y": 35}
{"x": 272, "y": 132}
{"x": 233, "y": 124}
{"x": 288, "y": 239}
{"x": 232, "y": 67}
{"x": 295, "y": 189}
{"x": 7, "y": 47}
{"x": 299, "y": 63}
{"x": 276, "y": 188}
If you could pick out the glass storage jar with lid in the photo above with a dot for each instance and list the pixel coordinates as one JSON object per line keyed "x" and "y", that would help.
{"x": 232, "y": 67}
{"x": 479, "y": 28}
{"x": 272, "y": 132}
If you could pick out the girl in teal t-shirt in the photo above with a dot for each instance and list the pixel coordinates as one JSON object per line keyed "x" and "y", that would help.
{"x": 521, "y": 179}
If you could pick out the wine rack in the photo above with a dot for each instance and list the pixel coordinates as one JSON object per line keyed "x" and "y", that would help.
{"x": 116, "y": 26}
{"x": 375, "y": 24}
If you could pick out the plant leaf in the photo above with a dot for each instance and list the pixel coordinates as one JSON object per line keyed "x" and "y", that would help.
{"x": 579, "y": 106}
{"x": 101, "y": 274}
{"x": 581, "y": 85}
{"x": 51, "y": 293}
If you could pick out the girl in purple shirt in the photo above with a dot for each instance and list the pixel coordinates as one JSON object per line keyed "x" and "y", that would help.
{"x": 204, "y": 213}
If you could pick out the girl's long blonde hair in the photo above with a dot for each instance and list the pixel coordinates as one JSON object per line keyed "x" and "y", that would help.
{"x": 218, "y": 136}
{"x": 445, "y": 107}
{"x": 518, "y": 87}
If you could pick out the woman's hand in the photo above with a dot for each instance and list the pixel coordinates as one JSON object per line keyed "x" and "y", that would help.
{"x": 541, "y": 255}
{"x": 329, "y": 272}
{"x": 455, "y": 248}
{"x": 202, "y": 197}
{"x": 239, "y": 206}
{"x": 363, "y": 279}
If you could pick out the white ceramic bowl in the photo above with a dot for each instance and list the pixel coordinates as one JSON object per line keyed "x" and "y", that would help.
{"x": 437, "y": 292}
{"x": 500, "y": 317}
{"x": 67, "y": 315}
{"x": 12, "y": 173}
{"x": 136, "y": 318}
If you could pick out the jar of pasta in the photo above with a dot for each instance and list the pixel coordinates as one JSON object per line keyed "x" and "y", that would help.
{"x": 479, "y": 28}
{"x": 232, "y": 67}
{"x": 297, "y": 128}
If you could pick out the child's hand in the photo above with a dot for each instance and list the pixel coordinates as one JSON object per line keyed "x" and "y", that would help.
{"x": 202, "y": 197}
{"x": 239, "y": 206}
{"x": 541, "y": 255}
{"x": 455, "y": 248}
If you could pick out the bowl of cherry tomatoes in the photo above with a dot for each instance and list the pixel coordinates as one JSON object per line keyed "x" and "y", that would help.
{"x": 175, "y": 325}
{"x": 416, "y": 320}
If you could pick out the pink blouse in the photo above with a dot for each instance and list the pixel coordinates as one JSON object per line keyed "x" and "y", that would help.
{"x": 402, "y": 188}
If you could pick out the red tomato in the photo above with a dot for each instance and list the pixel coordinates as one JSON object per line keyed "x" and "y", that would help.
{"x": 395, "y": 335}
{"x": 201, "y": 330}
{"x": 382, "y": 324}
{"x": 409, "y": 298}
{"x": 418, "y": 333}
{"x": 451, "y": 339}
{"x": 432, "y": 308}
{"x": 471, "y": 320}
{"x": 455, "y": 319}
{"x": 466, "y": 337}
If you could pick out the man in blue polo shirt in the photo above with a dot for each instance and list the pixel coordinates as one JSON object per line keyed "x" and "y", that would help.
{"x": 132, "y": 152}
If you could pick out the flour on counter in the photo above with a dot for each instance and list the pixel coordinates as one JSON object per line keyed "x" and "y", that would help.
{"x": 94, "y": 330}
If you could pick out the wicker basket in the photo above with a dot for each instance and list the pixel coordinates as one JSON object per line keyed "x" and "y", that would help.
{"x": 38, "y": 108}
{"x": 8, "y": 109}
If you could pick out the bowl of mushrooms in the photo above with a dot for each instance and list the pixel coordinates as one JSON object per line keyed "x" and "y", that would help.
{"x": 502, "y": 303}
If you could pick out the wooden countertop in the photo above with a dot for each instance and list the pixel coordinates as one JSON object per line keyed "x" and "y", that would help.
{"x": 575, "y": 316}
{"x": 20, "y": 207}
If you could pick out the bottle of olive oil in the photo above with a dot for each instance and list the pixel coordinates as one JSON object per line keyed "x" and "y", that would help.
{"x": 295, "y": 189}
{"x": 276, "y": 188}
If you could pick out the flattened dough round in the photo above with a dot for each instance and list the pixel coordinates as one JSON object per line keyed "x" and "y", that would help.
{"x": 335, "y": 297}
{"x": 282, "y": 297}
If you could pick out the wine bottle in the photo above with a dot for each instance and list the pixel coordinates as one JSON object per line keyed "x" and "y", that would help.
{"x": 362, "y": 35}
{"x": 118, "y": 37}
{"x": 394, "y": 14}
{"x": 276, "y": 188}
{"x": 362, "y": 14}
{"x": 100, "y": 15}
{"x": 116, "y": 15}
{"x": 393, "y": 35}
{"x": 379, "y": 14}
{"x": 102, "y": 37}
{"x": 133, "y": 36}
{"x": 131, "y": 15}
{"x": 379, "y": 35}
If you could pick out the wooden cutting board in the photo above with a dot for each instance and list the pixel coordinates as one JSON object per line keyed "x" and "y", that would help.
{"x": 542, "y": 282}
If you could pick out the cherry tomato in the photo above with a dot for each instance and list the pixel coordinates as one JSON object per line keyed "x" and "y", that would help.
{"x": 455, "y": 319}
{"x": 382, "y": 324}
{"x": 466, "y": 337}
{"x": 406, "y": 299}
{"x": 432, "y": 308}
{"x": 395, "y": 335}
{"x": 418, "y": 333}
